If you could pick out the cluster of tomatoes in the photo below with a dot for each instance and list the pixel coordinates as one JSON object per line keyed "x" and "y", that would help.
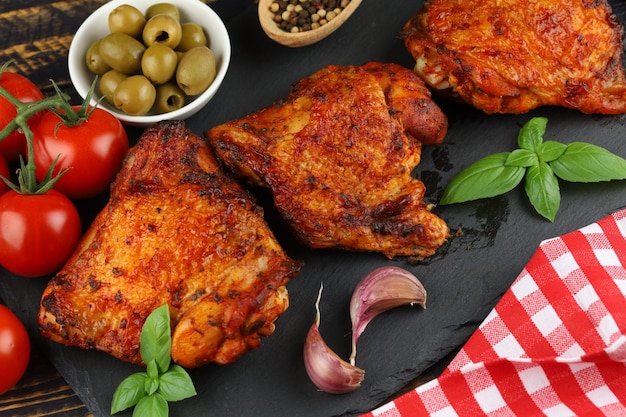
{"x": 39, "y": 225}
{"x": 40, "y": 230}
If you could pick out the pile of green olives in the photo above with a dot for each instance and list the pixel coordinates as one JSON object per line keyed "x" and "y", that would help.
{"x": 151, "y": 62}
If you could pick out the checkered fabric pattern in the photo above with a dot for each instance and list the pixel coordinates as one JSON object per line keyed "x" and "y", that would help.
{"x": 554, "y": 345}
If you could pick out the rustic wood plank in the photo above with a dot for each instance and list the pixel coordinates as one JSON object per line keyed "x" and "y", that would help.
{"x": 37, "y": 38}
{"x": 41, "y": 61}
{"x": 21, "y": 4}
{"x": 44, "y": 20}
{"x": 42, "y": 391}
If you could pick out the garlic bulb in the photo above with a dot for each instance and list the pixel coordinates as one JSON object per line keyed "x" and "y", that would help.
{"x": 380, "y": 290}
{"x": 325, "y": 368}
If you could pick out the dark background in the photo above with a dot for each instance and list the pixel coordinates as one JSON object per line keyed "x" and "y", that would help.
{"x": 464, "y": 279}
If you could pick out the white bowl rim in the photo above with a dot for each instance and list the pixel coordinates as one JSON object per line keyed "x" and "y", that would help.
{"x": 82, "y": 86}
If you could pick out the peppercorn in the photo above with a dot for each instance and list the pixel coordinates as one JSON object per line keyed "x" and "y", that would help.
{"x": 302, "y": 15}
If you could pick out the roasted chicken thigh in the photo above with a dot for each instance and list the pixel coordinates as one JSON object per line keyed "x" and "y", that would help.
{"x": 338, "y": 153}
{"x": 176, "y": 231}
{"x": 510, "y": 56}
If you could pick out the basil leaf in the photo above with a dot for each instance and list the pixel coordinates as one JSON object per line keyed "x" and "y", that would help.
{"x": 156, "y": 338}
{"x": 149, "y": 391}
{"x": 542, "y": 189}
{"x": 550, "y": 150}
{"x": 584, "y": 162}
{"x": 152, "y": 406}
{"x": 176, "y": 384}
{"x": 152, "y": 369}
{"x": 487, "y": 177}
{"x": 541, "y": 162}
{"x": 129, "y": 392}
{"x": 531, "y": 134}
{"x": 151, "y": 385}
{"x": 521, "y": 158}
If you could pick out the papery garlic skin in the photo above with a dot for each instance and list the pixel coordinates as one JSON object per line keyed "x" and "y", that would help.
{"x": 382, "y": 289}
{"x": 325, "y": 368}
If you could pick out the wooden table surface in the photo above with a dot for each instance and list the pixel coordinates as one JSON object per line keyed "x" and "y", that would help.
{"x": 42, "y": 391}
{"x": 36, "y": 35}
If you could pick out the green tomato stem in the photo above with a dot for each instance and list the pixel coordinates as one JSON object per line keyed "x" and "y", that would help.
{"x": 26, "y": 110}
{"x": 27, "y": 180}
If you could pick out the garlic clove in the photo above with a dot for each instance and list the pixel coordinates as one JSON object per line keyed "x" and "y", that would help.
{"x": 325, "y": 368}
{"x": 382, "y": 289}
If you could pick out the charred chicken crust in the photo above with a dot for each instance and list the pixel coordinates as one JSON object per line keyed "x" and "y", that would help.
{"x": 338, "y": 154}
{"x": 178, "y": 231}
{"x": 512, "y": 56}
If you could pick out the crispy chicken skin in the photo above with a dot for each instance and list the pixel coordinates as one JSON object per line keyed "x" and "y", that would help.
{"x": 511, "y": 56}
{"x": 176, "y": 230}
{"x": 338, "y": 152}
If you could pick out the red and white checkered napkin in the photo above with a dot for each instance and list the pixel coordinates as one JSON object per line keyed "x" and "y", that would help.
{"x": 555, "y": 345}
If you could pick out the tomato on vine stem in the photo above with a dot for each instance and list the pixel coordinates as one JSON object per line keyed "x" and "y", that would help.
{"x": 39, "y": 227}
{"x": 25, "y": 91}
{"x": 91, "y": 149}
{"x": 38, "y": 232}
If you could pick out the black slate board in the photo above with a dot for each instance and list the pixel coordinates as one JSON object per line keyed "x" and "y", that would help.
{"x": 464, "y": 279}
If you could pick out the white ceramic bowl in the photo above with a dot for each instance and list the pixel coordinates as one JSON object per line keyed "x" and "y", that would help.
{"x": 96, "y": 27}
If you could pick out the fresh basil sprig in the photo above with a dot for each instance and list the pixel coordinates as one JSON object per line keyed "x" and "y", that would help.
{"x": 540, "y": 163}
{"x": 149, "y": 392}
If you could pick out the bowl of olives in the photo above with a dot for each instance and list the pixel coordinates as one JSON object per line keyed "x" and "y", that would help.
{"x": 151, "y": 60}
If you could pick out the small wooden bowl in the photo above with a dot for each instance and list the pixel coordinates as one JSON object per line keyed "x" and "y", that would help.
{"x": 295, "y": 40}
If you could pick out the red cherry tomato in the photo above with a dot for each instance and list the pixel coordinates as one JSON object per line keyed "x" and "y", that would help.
{"x": 26, "y": 91}
{"x": 94, "y": 150}
{"x": 38, "y": 233}
{"x": 4, "y": 171}
{"x": 14, "y": 349}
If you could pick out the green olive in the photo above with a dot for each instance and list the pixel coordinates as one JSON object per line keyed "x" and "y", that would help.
{"x": 162, "y": 29}
{"x": 127, "y": 19}
{"x": 135, "y": 95}
{"x": 158, "y": 63}
{"x": 196, "y": 70}
{"x": 122, "y": 52}
{"x": 169, "y": 97}
{"x": 193, "y": 35}
{"x": 108, "y": 84}
{"x": 94, "y": 60}
{"x": 163, "y": 8}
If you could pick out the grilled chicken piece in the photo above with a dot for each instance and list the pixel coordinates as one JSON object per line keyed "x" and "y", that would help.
{"x": 508, "y": 56}
{"x": 338, "y": 152}
{"x": 176, "y": 230}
